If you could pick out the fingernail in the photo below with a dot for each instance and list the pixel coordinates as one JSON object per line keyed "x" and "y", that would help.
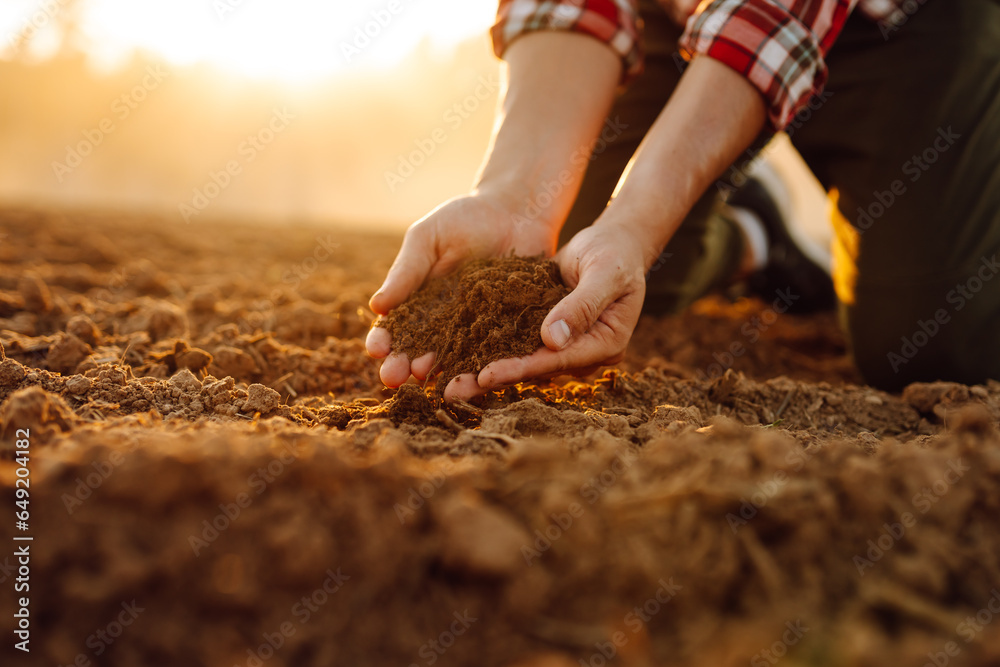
{"x": 559, "y": 331}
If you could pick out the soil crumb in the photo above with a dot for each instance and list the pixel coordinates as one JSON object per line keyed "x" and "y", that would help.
{"x": 489, "y": 309}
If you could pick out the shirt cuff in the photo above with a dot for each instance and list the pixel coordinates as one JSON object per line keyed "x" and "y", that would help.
{"x": 768, "y": 45}
{"x": 614, "y": 22}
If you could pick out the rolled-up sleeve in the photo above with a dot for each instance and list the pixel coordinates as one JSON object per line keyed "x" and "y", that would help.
{"x": 614, "y": 22}
{"x": 778, "y": 45}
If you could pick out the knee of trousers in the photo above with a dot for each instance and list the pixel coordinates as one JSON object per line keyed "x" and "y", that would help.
{"x": 925, "y": 334}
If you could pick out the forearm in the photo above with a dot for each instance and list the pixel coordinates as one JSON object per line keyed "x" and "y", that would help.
{"x": 712, "y": 116}
{"x": 559, "y": 89}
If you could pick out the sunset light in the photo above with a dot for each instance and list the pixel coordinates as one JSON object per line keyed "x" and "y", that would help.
{"x": 289, "y": 40}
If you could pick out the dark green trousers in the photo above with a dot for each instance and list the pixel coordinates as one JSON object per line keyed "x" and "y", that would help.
{"x": 907, "y": 141}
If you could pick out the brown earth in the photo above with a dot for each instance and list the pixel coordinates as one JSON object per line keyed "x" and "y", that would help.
{"x": 487, "y": 310}
{"x": 218, "y": 478}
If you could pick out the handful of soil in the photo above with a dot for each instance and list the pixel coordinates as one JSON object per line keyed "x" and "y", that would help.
{"x": 489, "y": 309}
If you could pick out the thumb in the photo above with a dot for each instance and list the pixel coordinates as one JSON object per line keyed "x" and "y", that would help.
{"x": 600, "y": 286}
{"x": 408, "y": 271}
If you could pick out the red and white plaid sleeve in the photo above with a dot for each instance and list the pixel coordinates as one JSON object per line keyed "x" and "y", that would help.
{"x": 778, "y": 45}
{"x": 614, "y": 22}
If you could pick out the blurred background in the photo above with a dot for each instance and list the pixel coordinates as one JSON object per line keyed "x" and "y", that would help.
{"x": 370, "y": 111}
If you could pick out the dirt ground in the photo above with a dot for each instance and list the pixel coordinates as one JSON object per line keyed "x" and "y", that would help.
{"x": 217, "y": 477}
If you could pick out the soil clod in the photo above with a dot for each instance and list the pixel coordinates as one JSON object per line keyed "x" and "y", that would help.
{"x": 490, "y": 309}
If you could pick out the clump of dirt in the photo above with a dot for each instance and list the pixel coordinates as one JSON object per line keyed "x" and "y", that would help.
{"x": 37, "y": 411}
{"x": 489, "y": 309}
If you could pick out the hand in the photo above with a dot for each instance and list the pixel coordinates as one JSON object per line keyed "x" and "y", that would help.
{"x": 590, "y": 327}
{"x": 465, "y": 228}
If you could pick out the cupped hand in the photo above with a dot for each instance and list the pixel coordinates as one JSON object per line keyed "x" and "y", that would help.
{"x": 469, "y": 227}
{"x": 591, "y": 326}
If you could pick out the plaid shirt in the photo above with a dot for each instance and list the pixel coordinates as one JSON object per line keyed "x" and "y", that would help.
{"x": 778, "y": 45}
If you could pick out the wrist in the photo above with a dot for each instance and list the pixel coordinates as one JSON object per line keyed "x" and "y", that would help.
{"x": 647, "y": 217}
{"x": 523, "y": 204}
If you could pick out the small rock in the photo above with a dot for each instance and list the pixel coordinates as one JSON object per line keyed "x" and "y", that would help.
{"x": 925, "y": 396}
{"x": 364, "y": 432}
{"x": 874, "y": 399}
{"x": 84, "y": 328}
{"x": 665, "y": 415}
{"x": 79, "y": 384}
{"x": 11, "y": 373}
{"x": 67, "y": 353}
{"x": 203, "y": 299}
{"x": 193, "y": 359}
{"x": 335, "y": 416}
{"x": 185, "y": 381}
{"x": 869, "y": 441}
{"x": 36, "y": 294}
{"x": 166, "y": 320}
{"x": 115, "y": 375}
{"x": 147, "y": 278}
{"x": 725, "y": 386}
{"x": 35, "y": 409}
{"x": 261, "y": 399}
{"x": 234, "y": 361}
{"x": 159, "y": 319}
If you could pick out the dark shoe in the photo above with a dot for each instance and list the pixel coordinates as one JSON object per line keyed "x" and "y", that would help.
{"x": 790, "y": 273}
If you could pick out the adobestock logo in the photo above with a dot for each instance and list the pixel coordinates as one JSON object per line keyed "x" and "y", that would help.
{"x": 899, "y": 17}
{"x": 453, "y": 118}
{"x": 371, "y": 29}
{"x": 248, "y": 150}
{"x": 121, "y": 108}
{"x": 47, "y": 10}
{"x": 925, "y": 330}
{"x": 915, "y": 167}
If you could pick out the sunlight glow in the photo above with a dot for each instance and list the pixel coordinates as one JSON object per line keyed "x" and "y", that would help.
{"x": 290, "y": 40}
